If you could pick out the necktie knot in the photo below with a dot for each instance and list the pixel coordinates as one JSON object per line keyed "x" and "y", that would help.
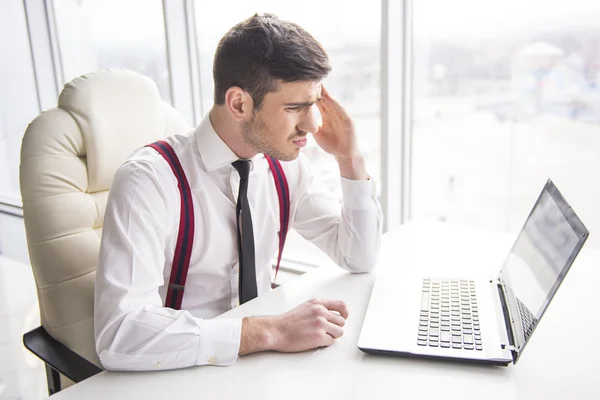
{"x": 243, "y": 168}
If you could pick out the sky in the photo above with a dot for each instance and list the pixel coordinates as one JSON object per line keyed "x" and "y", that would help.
{"x": 336, "y": 22}
{"x": 484, "y": 18}
{"x": 141, "y": 20}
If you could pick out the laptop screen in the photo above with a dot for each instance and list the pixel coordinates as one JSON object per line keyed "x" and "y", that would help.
{"x": 540, "y": 258}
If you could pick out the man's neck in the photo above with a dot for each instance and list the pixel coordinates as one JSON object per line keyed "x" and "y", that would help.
{"x": 230, "y": 132}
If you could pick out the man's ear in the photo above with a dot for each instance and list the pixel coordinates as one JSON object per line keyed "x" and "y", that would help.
{"x": 239, "y": 103}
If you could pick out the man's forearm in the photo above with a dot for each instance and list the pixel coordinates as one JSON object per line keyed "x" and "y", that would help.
{"x": 353, "y": 168}
{"x": 359, "y": 233}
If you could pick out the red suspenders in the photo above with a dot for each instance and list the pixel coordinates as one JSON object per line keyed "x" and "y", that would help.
{"x": 185, "y": 236}
{"x": 283, "y": 192}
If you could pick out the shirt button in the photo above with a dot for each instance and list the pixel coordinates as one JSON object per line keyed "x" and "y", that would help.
{"x": 212, "y": 361}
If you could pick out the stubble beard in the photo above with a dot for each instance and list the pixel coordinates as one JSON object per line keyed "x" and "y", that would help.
{"x": 256, "y": 135}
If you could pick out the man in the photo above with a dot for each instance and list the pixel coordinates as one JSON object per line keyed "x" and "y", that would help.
{"x": 268, "y": 77}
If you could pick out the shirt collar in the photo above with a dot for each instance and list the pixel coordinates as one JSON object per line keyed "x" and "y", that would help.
{"x": 213, "y": 150}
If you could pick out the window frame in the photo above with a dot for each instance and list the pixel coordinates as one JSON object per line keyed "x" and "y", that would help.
{"x": 396, "y": 94}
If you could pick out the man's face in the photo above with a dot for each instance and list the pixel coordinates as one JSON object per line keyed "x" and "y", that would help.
{"x": 280, "y": 127}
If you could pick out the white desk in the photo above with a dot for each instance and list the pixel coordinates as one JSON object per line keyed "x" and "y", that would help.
{"x": 560, "y": 362}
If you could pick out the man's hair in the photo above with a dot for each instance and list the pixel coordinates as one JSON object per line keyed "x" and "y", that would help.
{"x": 263, "y": 49}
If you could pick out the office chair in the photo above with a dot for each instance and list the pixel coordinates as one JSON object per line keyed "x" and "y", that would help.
{"x": 68, "y": 158}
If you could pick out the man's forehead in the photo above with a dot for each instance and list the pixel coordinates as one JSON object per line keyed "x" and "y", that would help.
{"x": 303, "y": 91}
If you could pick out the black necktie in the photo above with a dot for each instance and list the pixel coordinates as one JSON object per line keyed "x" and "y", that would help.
{"x": 247, "y": 277}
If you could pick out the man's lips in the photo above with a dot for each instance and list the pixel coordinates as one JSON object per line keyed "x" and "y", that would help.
{"x": 301, "y": 142}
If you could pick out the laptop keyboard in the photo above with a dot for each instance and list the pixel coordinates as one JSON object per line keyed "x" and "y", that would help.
{"x": 449, "y": 315}
{"x": 527, "y": 319}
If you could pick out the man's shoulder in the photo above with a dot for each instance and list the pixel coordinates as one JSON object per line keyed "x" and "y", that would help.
{"x": 299, "y": 173}
{"x": 299, "y": 168}
{"x": 148, "y": 160}
{"x": 296, "y": 165}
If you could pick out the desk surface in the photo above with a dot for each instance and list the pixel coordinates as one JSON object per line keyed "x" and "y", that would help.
{"x": 560, "y": 362}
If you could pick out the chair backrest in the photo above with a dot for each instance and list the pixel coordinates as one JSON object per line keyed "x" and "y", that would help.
{"x": 68, "y": 158}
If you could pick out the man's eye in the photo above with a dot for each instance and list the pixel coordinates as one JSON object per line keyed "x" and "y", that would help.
{"x": 293, "y": 109}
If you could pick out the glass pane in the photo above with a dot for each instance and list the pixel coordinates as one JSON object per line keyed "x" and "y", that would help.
{"x": 505, "y": 95}
{"x": 354, "y": 81}
{"x": 18, "y": 101}
{"x": 95, "y": 35}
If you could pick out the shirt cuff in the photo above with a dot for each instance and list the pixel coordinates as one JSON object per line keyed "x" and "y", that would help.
{"x": 219, "y": 341}
{"x": 358, "y": 194}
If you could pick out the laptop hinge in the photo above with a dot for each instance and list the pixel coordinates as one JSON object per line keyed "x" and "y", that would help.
{"x": 507, "y": 320}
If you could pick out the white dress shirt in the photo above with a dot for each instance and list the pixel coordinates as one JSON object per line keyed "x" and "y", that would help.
{"x": 133, "y": 330}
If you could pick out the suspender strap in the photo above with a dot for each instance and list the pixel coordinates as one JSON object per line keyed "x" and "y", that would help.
{"x": 185, "y": 237}
{"x": 283, "y": 192}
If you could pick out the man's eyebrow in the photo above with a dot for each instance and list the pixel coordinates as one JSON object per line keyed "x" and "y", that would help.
{"x": 302, "y": 104}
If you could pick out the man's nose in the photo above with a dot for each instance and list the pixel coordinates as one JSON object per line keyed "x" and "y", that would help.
{"x": 311, "y": 120}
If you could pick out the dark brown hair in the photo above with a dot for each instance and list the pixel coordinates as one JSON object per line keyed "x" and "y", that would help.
{"x": 257, "y": 52}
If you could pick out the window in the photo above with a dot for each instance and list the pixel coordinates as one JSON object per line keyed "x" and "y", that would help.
{"x": 18, "y": 101}
{"x": 350, "y": 33}
{"x": 505, "y": 95}
{"x": 95, "y": 35}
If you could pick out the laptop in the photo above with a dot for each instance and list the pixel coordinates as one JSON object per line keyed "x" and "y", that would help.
{"x": 486, "y": 320}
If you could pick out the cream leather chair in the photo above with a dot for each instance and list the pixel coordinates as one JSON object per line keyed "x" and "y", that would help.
{"x": 68, "y": 158}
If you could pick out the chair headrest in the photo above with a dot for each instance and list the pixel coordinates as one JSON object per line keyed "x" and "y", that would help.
{"x": 116, "y": 110}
